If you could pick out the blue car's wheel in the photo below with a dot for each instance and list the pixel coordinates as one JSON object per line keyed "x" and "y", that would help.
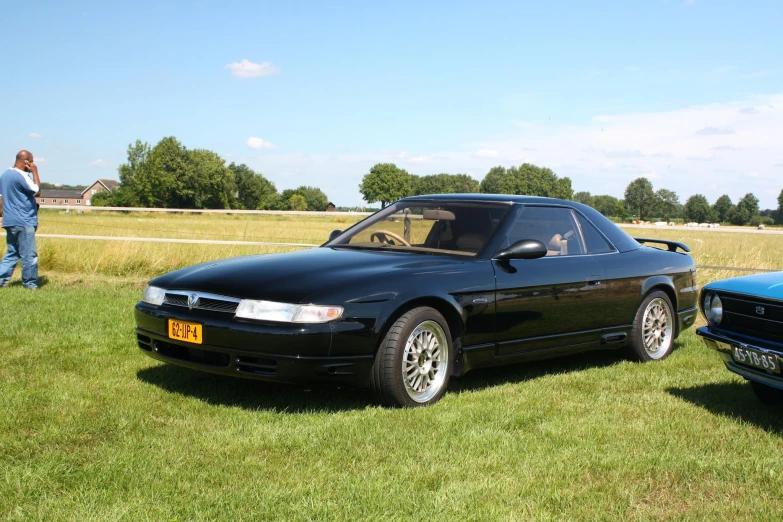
{"x": 413, "y": 362}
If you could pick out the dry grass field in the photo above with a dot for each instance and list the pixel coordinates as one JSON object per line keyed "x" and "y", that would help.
{"x": 128, "y": 258}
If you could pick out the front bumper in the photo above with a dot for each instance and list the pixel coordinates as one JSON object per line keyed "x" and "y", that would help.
{"x": 722, "y": 344}
{"x": 292, "y": 353}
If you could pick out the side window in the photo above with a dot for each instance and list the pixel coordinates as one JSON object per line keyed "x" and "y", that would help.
{"x": 553, "y": 226}
{"x": 596, "y": 244}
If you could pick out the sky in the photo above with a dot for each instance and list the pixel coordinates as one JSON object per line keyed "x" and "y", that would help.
{"x": 688, "y": 93}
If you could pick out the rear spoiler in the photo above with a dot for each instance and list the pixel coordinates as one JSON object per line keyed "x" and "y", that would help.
{"x": 671, "y": 245}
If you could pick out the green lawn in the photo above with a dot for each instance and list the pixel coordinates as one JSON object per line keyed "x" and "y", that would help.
{"x": 91, "y": 429}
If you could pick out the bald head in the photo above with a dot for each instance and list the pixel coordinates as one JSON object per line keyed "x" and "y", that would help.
{"x": 21, "y": 157}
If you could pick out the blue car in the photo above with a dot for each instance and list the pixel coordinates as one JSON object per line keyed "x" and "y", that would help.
{"x": 745, "y": 325}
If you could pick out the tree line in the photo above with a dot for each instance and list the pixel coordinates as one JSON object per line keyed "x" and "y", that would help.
{"x": 169, "y": 175}
{"x": 386, "y": 183}
{"x": 641, "y": 200}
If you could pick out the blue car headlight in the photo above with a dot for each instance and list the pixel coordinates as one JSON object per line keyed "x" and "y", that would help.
{"x": 713, "y": 308}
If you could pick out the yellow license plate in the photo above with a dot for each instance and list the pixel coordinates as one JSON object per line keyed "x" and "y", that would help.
{"x": 183, "y": 331}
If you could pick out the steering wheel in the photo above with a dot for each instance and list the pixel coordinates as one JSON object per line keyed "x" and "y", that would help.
{"x": 381, "y": 235}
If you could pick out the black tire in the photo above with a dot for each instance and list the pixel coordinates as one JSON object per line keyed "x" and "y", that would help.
{"x": 767, "y": 394}
{"x": 428, "y": 372}
{"x": 657, "y": 314}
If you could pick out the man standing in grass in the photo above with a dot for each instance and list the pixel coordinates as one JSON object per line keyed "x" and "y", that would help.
{"x": 18, "y": 187}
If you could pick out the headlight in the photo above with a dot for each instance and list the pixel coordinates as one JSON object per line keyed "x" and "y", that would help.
{"x": 154, "y": 295}
{"x": 706, "y": 306}
{"x": 287, "y": 313}
{"x": 716, "y": 309}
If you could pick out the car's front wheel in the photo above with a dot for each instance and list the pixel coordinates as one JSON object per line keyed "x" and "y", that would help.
{"x": 413, "y": 361}
{"x": 652, "y": 335}
{"x": 767, "y": 394}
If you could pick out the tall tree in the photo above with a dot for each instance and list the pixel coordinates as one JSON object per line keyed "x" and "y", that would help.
{"x": 207, "y": 182}
{"x": 168, "y": 168}
{"x": 621, "y": 210}
{"x": 746, "y": 209}
{"x": 386, "y": 183}
{"x": 585, "y": 198}
{"x": 640, "y": 197}
{"x": 495, "y": 181}
{"x": 446, "y": 184}
{"x": 606, "y": 205}
{"x": 722, "y": 208}
{"x": 314, "y": 197}
{"x": 780, "y": 208}
{"x": 697, "y": 209}
{"x": 253, "y": 189}
{"x": 527, "y": 179}
{"x": 668, "y": 204}
{"x": 135, "y": 175}
{"x": 297, "y": 202}
{"x": 171, "y": 176}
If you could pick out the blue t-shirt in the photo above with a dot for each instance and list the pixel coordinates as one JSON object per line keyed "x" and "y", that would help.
{"x": 18, "y": 191}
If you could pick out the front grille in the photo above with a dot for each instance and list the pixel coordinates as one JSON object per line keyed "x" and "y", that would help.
{"x": 256, "y": 365}
{"x": 145, "y": 343}
{"x": 216, "y": 303}
{"x": 194, "y": 355}
{"x": 758, "y": 318}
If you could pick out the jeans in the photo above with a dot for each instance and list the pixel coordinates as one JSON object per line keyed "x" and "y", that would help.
{"x": 21, "y": 243}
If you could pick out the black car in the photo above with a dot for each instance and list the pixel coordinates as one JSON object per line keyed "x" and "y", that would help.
{"x": 428, "y": 288}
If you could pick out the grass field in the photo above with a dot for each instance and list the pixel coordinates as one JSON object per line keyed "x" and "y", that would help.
{"x": 91, "y": 429}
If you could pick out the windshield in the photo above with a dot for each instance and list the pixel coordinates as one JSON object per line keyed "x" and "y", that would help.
{"x": 458, "y": 228}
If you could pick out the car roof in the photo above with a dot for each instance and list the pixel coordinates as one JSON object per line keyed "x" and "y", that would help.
{"x": 621, "y": 240}
{"x": 496, "y": 198}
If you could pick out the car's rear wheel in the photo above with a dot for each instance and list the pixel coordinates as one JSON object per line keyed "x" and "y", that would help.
{"x": 767, "y": 394}
{"x": 414, "y": 360}
{"x": 652, "y": 335}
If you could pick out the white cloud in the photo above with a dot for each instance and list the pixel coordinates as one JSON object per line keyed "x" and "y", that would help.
{"x": 722, "y": 70}
{"x": 39, "y": 160}
{"x": 259, "y": 144}
{"x": 417, "y": 159}
{"x": 714, "y": 131}
{"x": 248, "y": 69}
{"x": 487, "y": 153}
{"x": 100, "y": 163}
{"x": 35, "y": 135}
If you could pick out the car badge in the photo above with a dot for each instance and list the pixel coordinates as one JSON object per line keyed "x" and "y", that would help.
{"x": 760, "y": 310}
{"x": 192, "y": 301}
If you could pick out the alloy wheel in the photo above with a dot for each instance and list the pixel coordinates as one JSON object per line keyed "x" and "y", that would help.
{"x": 657, "y": 325}
{"x": 425, "y": 361}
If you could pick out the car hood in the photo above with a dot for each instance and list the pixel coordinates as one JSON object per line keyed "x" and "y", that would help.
{"x": 296, "y": 277}
{"x": 769, "y": 286}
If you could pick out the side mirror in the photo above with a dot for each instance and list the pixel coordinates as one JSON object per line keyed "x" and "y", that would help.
{"x": 334, "y": 234}
{"x": 523, "y": 249}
